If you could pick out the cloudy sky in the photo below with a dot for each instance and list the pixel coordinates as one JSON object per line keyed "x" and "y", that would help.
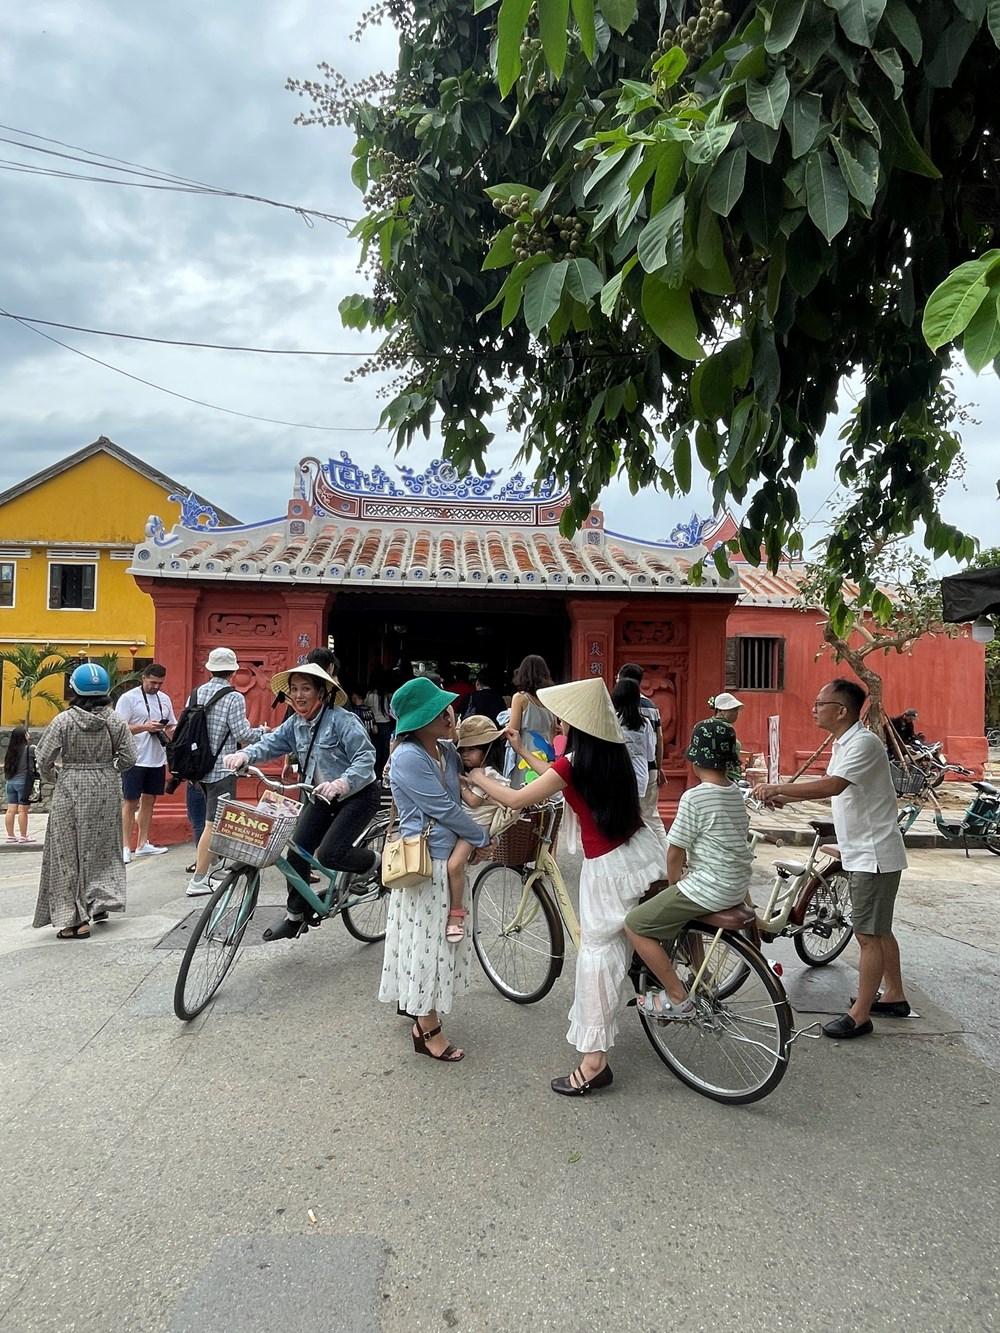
{"x": 198, "y": 91}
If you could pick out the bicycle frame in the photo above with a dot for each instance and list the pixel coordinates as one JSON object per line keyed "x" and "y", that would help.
{"x": 793, "y": 886}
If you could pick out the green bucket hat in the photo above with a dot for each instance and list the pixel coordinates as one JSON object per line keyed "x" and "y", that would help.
{"x": 418, "y": 702}
{"x": 713, "y": 744}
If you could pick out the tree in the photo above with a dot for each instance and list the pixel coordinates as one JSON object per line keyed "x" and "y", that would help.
{"x": 31, "y": 666}
{"x": 120, "y": 680}
{"x": 680, "y": 238}
{"x": 990, "y": 559}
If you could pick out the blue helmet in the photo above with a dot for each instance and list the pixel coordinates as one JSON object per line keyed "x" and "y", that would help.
{"x": 90, "y": 681}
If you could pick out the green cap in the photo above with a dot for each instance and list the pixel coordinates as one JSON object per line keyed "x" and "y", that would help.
{"x": 713, "y": 745}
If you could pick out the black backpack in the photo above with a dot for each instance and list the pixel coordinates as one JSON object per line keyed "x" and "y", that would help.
{"x": 189, "y": 752}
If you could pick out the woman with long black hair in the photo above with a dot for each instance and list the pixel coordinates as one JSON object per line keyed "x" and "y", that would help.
{"x": 19, "y": 777}
{"x": 621, "y": 859}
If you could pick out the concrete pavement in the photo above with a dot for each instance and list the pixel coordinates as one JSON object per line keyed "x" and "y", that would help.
{"x": 164, "y": 1178}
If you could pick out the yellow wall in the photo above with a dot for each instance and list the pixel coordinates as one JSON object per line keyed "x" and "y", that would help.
{"x": 100, "y": 499}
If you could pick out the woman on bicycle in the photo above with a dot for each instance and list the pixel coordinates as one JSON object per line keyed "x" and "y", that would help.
{"x": 422, "y": 972}
{"x": 621, "y": 858}
{"x": 334, "y": 753}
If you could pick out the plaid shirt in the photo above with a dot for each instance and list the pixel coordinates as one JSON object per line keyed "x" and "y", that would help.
{"x": 228, "y": 728}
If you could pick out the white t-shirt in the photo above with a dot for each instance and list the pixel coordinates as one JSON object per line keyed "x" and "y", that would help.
{"x": 490, "y": 815}
{"x": 641, "y": 746}
{"x": 865, "y": 813}
{"x": 134, "y": 707}
{"x": 713, "y": 827}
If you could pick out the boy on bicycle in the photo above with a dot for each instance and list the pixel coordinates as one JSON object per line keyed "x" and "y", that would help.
{"x": 709, "y": 864}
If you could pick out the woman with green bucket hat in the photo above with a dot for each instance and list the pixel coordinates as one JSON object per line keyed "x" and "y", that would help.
{"x": 422, "y": 972}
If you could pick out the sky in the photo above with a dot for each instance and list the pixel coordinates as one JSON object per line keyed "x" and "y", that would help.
{"x": 198, "y": 91}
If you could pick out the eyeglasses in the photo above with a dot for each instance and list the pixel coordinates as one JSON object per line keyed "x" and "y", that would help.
{"x": 826, "y": 703}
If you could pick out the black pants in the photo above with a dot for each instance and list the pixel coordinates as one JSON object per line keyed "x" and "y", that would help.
{"x": 327, "y": 832}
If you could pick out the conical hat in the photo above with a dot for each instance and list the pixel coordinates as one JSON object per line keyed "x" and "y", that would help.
{"x": 335, "y": 691}
{"x": 585, "y": 705}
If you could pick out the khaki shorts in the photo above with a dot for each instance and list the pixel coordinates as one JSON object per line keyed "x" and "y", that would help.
{"x": 873, "y": 897}
{"x": 664, "y": 916}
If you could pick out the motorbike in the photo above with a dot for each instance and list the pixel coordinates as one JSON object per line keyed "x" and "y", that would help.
{"x": 979, "y": 825}
{"x": 929, "y": 757}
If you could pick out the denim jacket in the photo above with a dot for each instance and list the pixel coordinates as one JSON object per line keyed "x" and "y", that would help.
{"x": 422, "y": 793}
{"x": 342, "y": 748}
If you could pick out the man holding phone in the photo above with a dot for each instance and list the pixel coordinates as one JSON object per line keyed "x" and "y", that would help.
{"x": 149, "y": 716}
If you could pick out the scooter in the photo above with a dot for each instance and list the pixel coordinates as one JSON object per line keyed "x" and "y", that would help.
{"x": 980, "y": 823}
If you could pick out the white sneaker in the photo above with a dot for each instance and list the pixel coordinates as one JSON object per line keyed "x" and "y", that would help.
{"x": 126, "y": 855}
{"x": 201, "y": 888}
{"x": 147, "y": 849}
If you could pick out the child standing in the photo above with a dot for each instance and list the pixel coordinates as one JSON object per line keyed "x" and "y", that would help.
{"x": 476, "y": 738}
{"x": 711, "y": 835}
{"x": 19, "y": 774}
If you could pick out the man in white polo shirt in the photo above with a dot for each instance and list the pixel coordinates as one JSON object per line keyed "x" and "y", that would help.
{"x": 864, "y": 806}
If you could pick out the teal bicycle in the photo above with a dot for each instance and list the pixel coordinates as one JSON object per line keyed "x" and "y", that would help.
{"x": 253, "y": 839}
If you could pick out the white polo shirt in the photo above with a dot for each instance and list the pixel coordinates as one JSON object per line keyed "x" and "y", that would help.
{"x": 865, "y": 812}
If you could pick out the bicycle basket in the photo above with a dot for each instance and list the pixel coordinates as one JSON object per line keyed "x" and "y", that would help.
{"x": 518, "y": 844}
{"x": 908, "y": 781}
{"x": 248, "y": 835}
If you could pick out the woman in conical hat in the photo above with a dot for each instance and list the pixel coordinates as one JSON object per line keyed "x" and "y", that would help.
{"x": 621, "y": 858}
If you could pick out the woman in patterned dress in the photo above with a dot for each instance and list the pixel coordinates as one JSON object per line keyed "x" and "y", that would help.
{"x": 423, "y": 973}
{"x": 83, "y": 874}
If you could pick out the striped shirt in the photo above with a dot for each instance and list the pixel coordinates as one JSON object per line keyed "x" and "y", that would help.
{"x": 713, "y": 827}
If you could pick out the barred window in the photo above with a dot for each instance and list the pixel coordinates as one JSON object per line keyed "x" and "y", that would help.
{"x": 755, "y": 662}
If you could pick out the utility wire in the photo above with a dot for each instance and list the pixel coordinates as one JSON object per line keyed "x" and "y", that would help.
{"x": 198, "y": 402}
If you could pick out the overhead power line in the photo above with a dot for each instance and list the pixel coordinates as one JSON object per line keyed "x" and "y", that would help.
{"x": 149, "y": 178}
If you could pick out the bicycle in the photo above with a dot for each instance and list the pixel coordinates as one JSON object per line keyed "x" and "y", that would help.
{"x": 915, "y": 789}
{"x": 735, "y": 1049}
{"x": 254, "y": 839}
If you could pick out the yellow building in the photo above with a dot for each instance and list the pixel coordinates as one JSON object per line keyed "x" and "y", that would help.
{"x": 66, "y": 540}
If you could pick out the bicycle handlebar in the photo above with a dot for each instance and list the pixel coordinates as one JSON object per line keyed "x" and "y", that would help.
{"x": 248, "y": 771}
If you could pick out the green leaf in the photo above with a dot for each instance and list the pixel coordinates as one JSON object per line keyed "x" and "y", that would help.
{"x": 510, "y": 28}
{"x": 669, "y": 313}
{"x": 899, "y": 145}
{"x": 670, "y": 66}
{"x": 706, "y": 442}
{"x": 725, "y": 185}
{"x": 826, "y": 194}
{"x": 891, "y": 66}
{"x": 612, "y": 288}
{"x": 905, "y": 29}
{"x": 718, "y": 378}
{"x": 583, "y": 280}
{"x": 682, "y": 460}
{"x": 859, "y": 18}
{"x": 501, "y": 252}
{"x": 993, "y": 20}
{"x": 767, "y": 101}
{"x": 981, "y": 340}
{"x": 862, "y": 184}
{"x": 661, "y": 241}
{"x": 952, "y": 304}
{"x": 801, "y": 118}
{"x": 783, "y": 25}
{"x": 583, "y": 12}
{"x": 543, "y": 293}
{"x": 951, "y": 49}
{"x": 506, "y": 192}
{"x": 553, "y": 26}
{"x": 619, "y": 13}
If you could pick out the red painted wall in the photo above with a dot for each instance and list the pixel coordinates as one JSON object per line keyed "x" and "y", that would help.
{"x": 944, "y": 679}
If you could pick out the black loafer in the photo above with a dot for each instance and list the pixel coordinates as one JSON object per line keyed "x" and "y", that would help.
{"x": 845, "y": 1028}
{"x": 894, "y": 1008}
{"x": 566, "y": 1088}
{"x": 285, "y": 930}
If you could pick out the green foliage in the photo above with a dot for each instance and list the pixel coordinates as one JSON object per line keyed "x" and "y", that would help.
{"x": 759, "y": 202}
{"x": 29, "y": 667}
{"x": 990, "y": 559}
{"x": 120, "y": 680}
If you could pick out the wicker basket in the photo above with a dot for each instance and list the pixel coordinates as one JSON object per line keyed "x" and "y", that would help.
{"x": 248, "y": 835}
{"x": 518, "y": 844}
{"x": 908, "y": 781}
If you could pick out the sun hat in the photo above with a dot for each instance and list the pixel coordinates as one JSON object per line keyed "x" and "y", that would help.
{"x": 279, "y": 682}
{"x": 585, "y": 705}
{"x": 713, "y": 744}
{"x": 222, "y": 659}
{"x": 477, "y": 729}
{"x": 725, "y": 701}
{"x": 90, "y": 681}
{"x": 418, "y": 702}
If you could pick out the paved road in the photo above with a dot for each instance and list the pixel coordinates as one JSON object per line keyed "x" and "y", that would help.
{"x": 160, "y": 1178}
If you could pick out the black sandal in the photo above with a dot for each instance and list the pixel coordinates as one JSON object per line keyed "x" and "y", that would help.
{"x": 80, "y": 932}
{"x": 285, "y": 930}
{"x": 449, "y": 1056}
{"x": 98, "y": 916}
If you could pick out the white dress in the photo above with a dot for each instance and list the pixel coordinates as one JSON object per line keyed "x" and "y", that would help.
{"x": 421, "y": 971}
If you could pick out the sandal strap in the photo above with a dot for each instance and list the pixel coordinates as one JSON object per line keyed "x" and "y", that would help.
{"x": 457, "y": 911}
{"x": 429, "y": 1032}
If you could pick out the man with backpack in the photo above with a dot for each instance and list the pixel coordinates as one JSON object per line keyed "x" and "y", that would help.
{"x": 213, "y": 724}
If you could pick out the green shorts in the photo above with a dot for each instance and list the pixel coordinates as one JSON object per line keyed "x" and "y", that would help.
{"x": 664, "y": 916}
{"x": 873, "y": 897}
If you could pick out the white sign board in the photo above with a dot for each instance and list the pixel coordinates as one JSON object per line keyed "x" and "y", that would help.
{"x": 773, "y": 747}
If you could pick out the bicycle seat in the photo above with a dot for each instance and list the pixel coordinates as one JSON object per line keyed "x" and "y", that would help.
{"x": 987, "y": 788}
{"x": 824, "y": 827}
{"x": 730, "y": 918}
{"x": 786, "y": 869}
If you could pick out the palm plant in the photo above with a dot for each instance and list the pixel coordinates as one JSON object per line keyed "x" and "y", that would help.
{"x": 31, "y": 666}
{"x": 120, "y": 680}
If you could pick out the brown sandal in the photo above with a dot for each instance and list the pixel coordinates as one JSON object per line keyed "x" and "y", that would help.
{"x": 450, "y": 1055}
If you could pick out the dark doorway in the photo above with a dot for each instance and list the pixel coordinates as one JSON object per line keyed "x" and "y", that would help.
{"x": 372, "y": 629}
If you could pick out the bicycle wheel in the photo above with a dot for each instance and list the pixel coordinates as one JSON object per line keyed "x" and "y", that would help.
{"x": 735, "y": 1049}
{"x": 215, "y": 941}
{"x": 517, "y": 932}
{"x": 827, "y": 929}
{"x": 367, "y": 909}
{"x": 992, "y": 841}
{"x": 906, "y": 816}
